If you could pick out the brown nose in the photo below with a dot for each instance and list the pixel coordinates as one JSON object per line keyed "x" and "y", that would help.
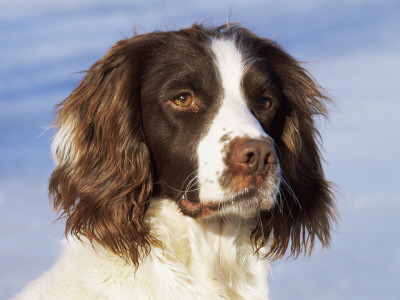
{"x": 255, "y": 155}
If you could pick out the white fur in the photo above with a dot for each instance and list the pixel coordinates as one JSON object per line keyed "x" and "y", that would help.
{"x": 63, "y": 148}
{"x": 234, "y": 119}
{"x": 210, "y": 259}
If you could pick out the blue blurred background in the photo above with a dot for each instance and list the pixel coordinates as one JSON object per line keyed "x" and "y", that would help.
{"x": 354, "y": 51}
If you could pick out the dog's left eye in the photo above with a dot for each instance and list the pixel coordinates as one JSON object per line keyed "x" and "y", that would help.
{"x": 183, "y": 100}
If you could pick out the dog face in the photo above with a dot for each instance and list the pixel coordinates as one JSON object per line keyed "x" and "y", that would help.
{"x": 207, "y": 110}
{"x": 218, "y": 120}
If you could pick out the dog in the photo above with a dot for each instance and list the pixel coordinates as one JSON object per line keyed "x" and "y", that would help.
{"x": 185, "y": 162}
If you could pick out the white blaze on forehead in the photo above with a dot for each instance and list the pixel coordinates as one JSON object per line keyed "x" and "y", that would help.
{"x": 233, "y": 119}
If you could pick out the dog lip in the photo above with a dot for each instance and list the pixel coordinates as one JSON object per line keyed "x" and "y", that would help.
{"x": 242, "y": 195}
{"x": 195, "y": 206}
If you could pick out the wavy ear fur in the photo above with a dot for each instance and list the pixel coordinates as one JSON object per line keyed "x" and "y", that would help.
{"x": 305, "y": 207}
{"x": 102, "y": 183}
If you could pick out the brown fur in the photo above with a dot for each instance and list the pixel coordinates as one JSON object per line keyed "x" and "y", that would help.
{"x": 297, "y": 220}
{"x": 105, "y": 192}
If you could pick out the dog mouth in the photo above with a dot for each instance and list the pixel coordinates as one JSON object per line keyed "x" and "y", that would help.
{"x": 245, "y": 203}
{"x": 244, "y": 195}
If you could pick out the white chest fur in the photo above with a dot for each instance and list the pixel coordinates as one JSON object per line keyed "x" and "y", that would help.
{"x": 199, "y": 260}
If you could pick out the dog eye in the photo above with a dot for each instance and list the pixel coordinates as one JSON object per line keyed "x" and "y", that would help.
{"x": 266, "y": 103}
{"x": 183, "y": 100}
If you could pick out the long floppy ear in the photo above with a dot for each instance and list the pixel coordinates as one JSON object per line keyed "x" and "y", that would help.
{"x": 102, "y": 183}
{"x": 305, "y": 208}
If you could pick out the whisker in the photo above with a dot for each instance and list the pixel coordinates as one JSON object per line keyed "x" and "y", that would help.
{"x": 190, "y": 185}
{"x": 177, "y": 190}
{"x": 188, "y": 188}
{"x": 286, "y": 184}
{"x": 187, "y": 178}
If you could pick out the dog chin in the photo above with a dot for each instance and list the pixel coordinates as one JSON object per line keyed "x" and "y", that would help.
{"x": 246, "y": 204}
{"x": 247, "y": 207}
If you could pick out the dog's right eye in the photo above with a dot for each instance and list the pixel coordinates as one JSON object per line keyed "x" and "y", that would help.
{"x": 183, "y": 100}
{"x": 266, "y": 103}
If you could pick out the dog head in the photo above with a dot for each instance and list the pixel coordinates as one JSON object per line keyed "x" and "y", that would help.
{"x": 217, "y": 119}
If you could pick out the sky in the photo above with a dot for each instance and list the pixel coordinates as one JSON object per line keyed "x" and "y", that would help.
{"x": 351, "y": 47}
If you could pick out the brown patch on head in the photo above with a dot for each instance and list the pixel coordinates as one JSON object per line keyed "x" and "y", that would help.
{"x": 182, "y": 66}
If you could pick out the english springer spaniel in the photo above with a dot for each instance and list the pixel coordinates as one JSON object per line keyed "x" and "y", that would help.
{"x": 185, "y": 161}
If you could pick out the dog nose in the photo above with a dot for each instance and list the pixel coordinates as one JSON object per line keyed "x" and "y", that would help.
{"x": 255, "y": 155}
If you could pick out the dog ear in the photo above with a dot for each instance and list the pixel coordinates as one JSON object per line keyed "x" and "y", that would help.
{"x": 305, "y": 208}
{"x": 102, "y": 183}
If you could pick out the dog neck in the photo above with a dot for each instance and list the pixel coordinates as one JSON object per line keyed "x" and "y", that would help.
{"x": 214, "y": 250}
